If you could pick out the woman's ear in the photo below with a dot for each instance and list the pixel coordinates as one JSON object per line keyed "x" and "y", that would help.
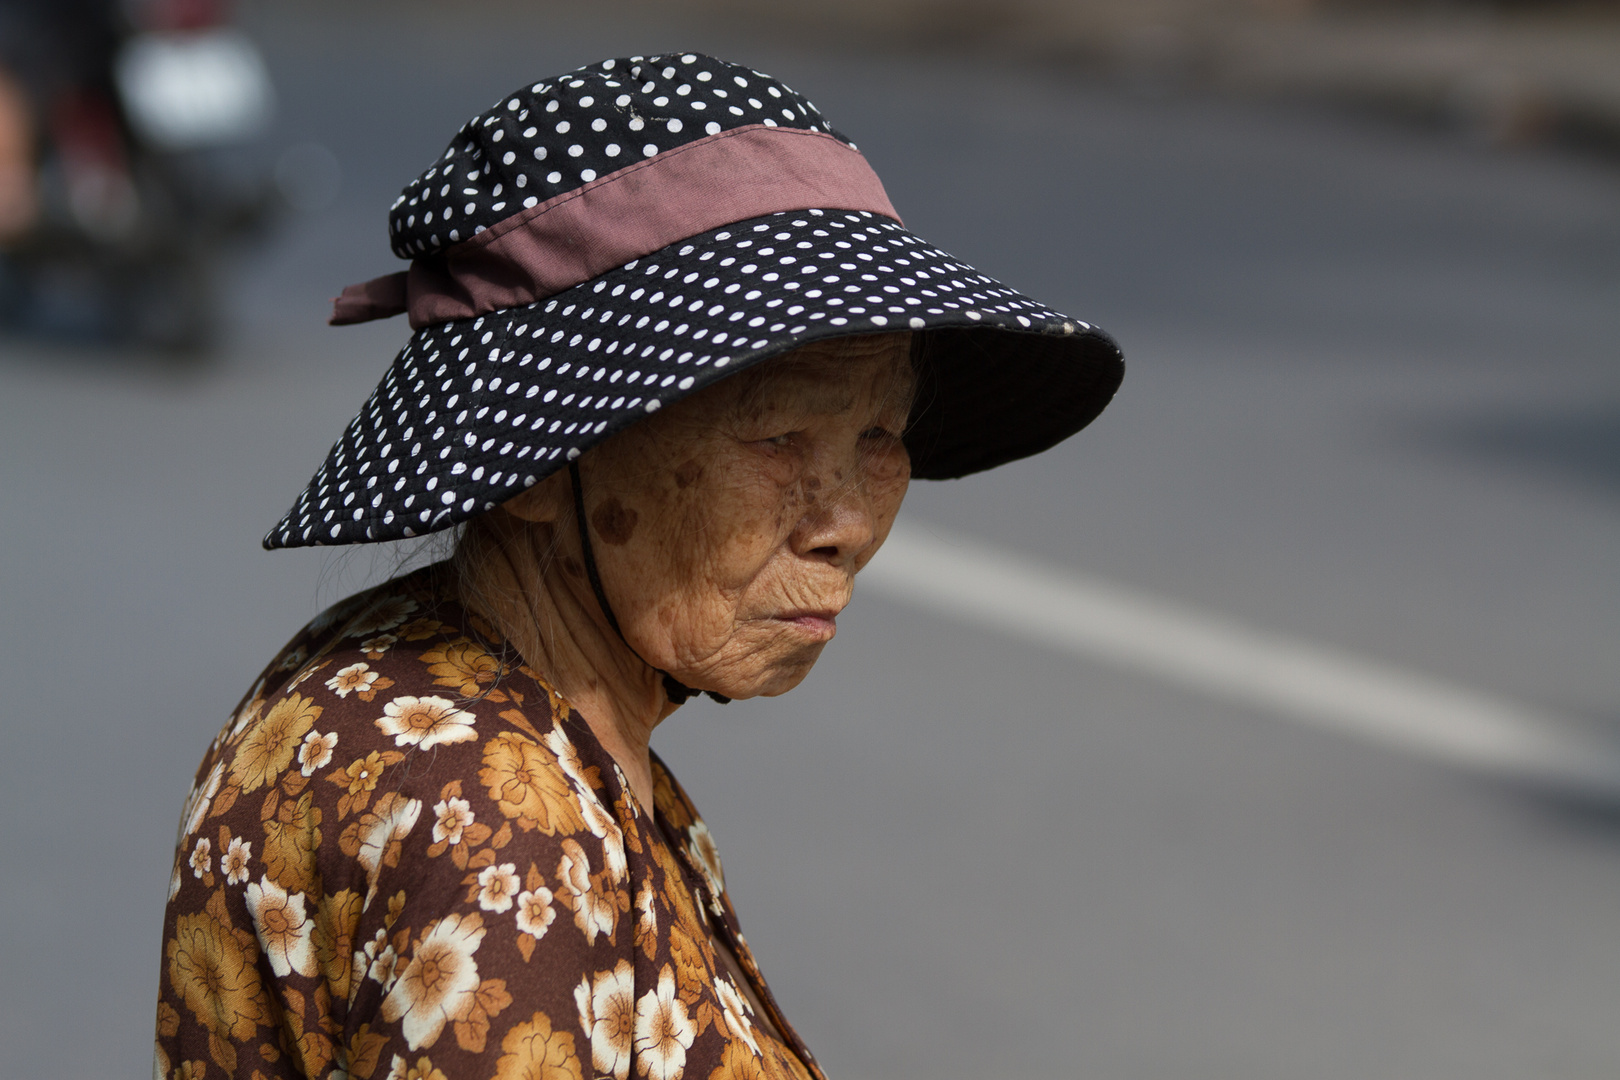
{"x": 545, "y": 502}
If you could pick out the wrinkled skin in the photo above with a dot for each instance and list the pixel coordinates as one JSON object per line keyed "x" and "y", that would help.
{"x": 727, "y": 529}
{"x": 728, "y": 560}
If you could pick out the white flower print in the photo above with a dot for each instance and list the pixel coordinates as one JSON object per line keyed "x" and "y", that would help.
{"x": 736, "y": 1011}
{"x": 647, "y": 913}
{"x": 315, "y": 752}
{"x": 234, "y": 863}
{"x": 497, "y": 886}
{"x": 283, "y": 927}
{"x": 601, "y": 824}
{"x": 198, "y": 801}
{"x": 567, "y": 756}
{"x": 440, "y": 982}
{"x": 708, "y": 855}
{"x": 250, "y": 711}
{"x": 303, "y": 676}
{"x": 624, "y": 786}
{"x": 200, "y": 857}
{"x": 534, "y": 912}
{"x": 607, "y": 1013}
{"x": 664, "y": 1031}
{"x": 174, "y": 880}
{"x": 451, "y": 818}
{"x": 384, "y": 614}
{"x": 395, "y": 823}
{"x": 354, "y": 677}
{"x": 378, "y": 960}
{"x": 374, "y": 647}
{"x": 594, "y": 912}
{"x": 426, "y": 722}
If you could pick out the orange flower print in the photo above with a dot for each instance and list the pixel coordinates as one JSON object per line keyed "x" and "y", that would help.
{"x": 423, "y": 1069}
{"x": 268, "y": 746}
{"x": 738, "y": 1062}
{"x": 523, "y": 779}
{"x": 361, "y": 775}
{"x": 497, "y": 886}
{"x": 420, "y": 629}
{"x": 214, "y": 975}
{"x": 315, "y": 752}
{"x": 664, "y": 1031}
{"x": 532, "y": 1050}
{"x": 647, "y": 919}
{"x": 465, "y": 666}
{"x": 336, "y": 918}
{"x": 607, "y": 1013}
{"x": 283, "y": 927}
{"x": 234, "y": 863}
{"x": 439, "y": 984}
{"x": 426, "y": 722}
{"x": 450, "y": 819}
{"x": 355, "y": 677}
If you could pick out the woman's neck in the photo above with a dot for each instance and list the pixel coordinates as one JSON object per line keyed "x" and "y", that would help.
{"x": 534, "y": 591}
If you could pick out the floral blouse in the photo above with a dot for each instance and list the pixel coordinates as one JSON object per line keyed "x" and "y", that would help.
{"x": 406, "y": 858}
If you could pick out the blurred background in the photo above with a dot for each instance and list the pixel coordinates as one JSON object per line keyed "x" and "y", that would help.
{"x": 1364, "y": 261}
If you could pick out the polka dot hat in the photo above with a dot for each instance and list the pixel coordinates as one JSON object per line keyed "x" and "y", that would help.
{"x": 598, "y": 246}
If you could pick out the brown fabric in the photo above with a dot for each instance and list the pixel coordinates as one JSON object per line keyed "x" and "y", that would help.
{"x": 735, "y": 175}
{"x": 406, "y": 857}
{"x": 379, "y": 298}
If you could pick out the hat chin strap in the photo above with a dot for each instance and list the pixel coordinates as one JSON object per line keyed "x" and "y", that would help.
{"x": 677, "y": 691}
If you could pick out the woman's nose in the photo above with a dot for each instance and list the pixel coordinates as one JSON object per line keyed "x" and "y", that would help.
{"x": 839, "y": 521}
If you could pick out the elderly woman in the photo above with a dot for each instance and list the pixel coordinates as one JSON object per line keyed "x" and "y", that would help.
{"x": 675, "y": 363}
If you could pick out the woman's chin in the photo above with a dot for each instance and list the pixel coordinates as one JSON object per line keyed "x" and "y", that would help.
{"x": 772, "y": 678}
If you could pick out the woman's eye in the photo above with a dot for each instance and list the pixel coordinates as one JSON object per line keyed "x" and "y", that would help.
{"x": 780, "y": 440}
{"x": 877, "y": 433}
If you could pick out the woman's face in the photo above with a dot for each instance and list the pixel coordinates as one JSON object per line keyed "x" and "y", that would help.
{"x": 728, "y": 529}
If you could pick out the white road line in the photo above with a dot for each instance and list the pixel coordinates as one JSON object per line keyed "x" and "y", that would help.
{"x": 1310, "y": 684}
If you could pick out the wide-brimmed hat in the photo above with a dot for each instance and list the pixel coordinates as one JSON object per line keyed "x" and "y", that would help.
{"x": 597, "y": 246}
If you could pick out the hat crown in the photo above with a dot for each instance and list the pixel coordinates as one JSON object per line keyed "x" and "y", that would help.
{"x": 559, "y": 134}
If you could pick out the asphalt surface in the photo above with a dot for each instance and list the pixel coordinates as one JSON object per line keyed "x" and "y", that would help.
{"x": 1373, "y": 402}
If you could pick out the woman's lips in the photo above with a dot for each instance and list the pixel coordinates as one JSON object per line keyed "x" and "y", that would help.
{"x": 820, "y": 624}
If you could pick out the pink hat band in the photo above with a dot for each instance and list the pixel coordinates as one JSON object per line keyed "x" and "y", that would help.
{"x": 741, "y": 173}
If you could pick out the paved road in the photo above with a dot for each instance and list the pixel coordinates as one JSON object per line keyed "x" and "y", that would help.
{"x": 1373, "y": 404}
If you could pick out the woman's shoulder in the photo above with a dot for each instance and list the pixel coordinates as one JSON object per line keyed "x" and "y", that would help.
{"x": 398, "y": 797}
{"x": 409, "y": 637}
{"x": 401, "y": 691}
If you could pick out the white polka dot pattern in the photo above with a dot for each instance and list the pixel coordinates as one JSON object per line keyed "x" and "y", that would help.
{"x": 555, "y": 135}
{"x": 476, "y": 410}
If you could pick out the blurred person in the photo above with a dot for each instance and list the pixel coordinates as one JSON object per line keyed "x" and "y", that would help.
{"x": 54, "y": 55}
{"x": 675, "y": 363}
{"x": 19, "y": 199}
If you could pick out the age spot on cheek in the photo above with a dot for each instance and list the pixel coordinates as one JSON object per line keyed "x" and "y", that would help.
{"x": 615, "y": 521}
{"x": 688, "y": 474}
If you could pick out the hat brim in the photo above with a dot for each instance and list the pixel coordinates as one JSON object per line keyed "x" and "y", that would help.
{"x": 473, "y": 412}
